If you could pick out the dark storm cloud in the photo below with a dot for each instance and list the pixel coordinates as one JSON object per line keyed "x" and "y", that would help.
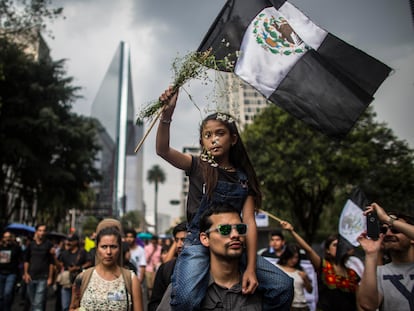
{"x": 186, "y": 21}
{"x": 372, "y": 25}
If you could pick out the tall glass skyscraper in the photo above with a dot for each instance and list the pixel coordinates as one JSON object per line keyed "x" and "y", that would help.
{"x": 121, "y": 188}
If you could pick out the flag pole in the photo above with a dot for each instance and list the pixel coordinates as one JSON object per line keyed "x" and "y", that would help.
{"x": 148, "y": 130}
{"x": 270, "y": 215}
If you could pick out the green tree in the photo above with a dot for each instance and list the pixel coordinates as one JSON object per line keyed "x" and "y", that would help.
{"x": 26, "y": 18}
{"x": 156, "y": 175}
{"x": 305, "y": 174}
{"x": 47, "y": 152}
{"x": 132, "y": 219}
{"x": 89, "y": 225}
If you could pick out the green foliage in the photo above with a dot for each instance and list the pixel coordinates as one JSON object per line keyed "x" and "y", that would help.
{"x": 89, "y": 225}
{"x": 26, "y": 18}
{"x": 171, "y": 229}
{"x": 47, "y": 153}
{"x": 192, "y": 66}
{"x": 132, "y": 219}
{"x": 306, "y": 177}
{"x": 156, "y": 175}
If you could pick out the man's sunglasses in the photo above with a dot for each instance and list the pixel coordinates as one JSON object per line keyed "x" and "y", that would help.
{"x": 225, "y": 229}
{"x": 385, "y": 228}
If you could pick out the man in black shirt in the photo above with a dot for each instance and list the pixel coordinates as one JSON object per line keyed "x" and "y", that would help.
{"x": 38, "y": 268}
{"x": 10, "y": 258}
{"x": 73, "y": 260}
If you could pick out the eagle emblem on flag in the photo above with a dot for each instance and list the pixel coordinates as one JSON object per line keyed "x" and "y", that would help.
{"x": 275, "y": 34}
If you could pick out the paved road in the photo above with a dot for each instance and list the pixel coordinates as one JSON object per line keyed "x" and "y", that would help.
{"x": 19, "y": 302}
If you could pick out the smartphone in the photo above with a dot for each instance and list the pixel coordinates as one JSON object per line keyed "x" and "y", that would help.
{"x": 373, "y": 226}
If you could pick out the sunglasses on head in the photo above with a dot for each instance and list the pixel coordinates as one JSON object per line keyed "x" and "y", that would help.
{"x": 225, "y": 229}
{"x": 385, "y": 228}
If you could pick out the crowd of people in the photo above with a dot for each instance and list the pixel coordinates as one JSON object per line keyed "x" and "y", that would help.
{"x": 382, "y": 280}
{"x": 118, "y": 279}
{"x": 212, "y": 262}
{"x": 33, "y": 266}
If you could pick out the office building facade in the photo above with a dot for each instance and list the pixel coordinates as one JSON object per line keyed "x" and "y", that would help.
{"x": 121, "y": 188}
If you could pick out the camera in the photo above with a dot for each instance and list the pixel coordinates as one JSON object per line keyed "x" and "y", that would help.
{"x": 373, "y": 226}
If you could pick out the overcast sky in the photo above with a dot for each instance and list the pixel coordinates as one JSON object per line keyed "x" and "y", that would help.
{"x": 159, "y": 30}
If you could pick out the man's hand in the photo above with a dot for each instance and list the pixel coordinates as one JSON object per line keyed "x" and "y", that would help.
{"x": 27, "y": 278}
{"x": 374, "y": 207}
{"x": 370, "y": 246}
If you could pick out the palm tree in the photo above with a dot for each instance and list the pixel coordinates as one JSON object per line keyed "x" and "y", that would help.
{"x": 156, "y": 175}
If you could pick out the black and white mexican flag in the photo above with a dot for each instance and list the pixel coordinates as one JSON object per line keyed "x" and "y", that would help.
{"x": 310, "y": 73}
{"x": 351, "y": 222}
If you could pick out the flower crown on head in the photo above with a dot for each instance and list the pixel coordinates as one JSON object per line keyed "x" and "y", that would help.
{"x": 224, "y": 117}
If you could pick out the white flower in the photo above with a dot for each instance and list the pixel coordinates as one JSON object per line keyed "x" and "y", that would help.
{"x": 224, "y": 117}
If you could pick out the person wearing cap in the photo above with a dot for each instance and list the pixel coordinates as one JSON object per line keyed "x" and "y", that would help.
{"x": 73, "y": 259}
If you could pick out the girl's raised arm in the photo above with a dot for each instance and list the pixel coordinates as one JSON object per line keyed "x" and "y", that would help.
{"x": 171, "y": 155}
{"x": 313, "y": 256}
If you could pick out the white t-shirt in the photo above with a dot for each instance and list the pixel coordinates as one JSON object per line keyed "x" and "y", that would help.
{"x": 299, "y": 299}
{"x": 138, "y": 258}
{"x": 356, "y": 264}
{"x": 395, "y": 284}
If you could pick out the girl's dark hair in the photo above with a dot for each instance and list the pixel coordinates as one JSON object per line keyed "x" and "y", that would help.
{"x": 290, "y": 250}
{"x": 238, "y": 157}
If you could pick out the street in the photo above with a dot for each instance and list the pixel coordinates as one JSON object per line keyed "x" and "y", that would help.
{"x": 19, "y": 301}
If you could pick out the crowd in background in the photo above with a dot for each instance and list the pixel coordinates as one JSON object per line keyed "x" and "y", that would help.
{"x": 31, "y": 265}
